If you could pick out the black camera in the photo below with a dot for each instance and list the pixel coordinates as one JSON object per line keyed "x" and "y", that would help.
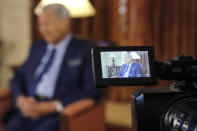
{"x": 172, "y": 108}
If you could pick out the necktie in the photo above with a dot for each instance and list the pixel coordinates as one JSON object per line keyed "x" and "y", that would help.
{"x": 38, "y": 77}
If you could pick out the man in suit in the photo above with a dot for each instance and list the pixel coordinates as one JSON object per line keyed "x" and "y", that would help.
{"x": 129, "y": 69}
{"x": 56, "y": 73}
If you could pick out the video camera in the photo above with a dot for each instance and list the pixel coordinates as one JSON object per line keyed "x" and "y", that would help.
{"x": 172, "y": 108}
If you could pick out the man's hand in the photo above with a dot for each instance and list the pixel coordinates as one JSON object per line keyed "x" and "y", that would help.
{"x": 28, "y": 106}
{"x": 32, "y": 111}
{"x": 23, "y": 101}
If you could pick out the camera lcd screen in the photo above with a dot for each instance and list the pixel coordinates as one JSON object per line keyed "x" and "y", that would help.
{"x": 133, "y": 65}
{"x": 125, "y": 64}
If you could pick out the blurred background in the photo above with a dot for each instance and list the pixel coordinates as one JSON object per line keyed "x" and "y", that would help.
{"x": 169, "y": 25}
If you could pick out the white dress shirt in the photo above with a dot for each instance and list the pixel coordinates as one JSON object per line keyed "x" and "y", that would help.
{"x": 46, "y": 85}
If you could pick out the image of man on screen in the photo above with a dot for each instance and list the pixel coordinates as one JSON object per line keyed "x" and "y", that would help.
{"x": 129, "y": 69}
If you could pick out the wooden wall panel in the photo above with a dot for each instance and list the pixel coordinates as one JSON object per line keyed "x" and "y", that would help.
{"x": 139, "y": 27}
{"x": 193, "y": 26}
{"x": 35, "y": 31}
{"x": 169, "y": 25}
{"x": 175, "y": 27}
{"x": 156, "y": 20}
{"x": 106, "y": 24}
{"x": 100, "y": 21}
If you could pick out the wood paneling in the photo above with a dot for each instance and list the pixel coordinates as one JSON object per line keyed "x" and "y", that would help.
{"x": 35, "y": 31}
{"x": 169, "y": 25}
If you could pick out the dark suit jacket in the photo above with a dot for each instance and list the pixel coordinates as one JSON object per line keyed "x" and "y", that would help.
{"x": 74, "y": 81}
{"x": 135, "y": 70}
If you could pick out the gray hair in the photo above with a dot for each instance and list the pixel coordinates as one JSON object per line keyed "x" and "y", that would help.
{"x": 61, "y": 11}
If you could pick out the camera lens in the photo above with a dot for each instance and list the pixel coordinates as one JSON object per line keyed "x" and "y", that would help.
{"x": 181, "y": 115}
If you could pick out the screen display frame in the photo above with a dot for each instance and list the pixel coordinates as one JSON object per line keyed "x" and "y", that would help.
{"x": 97, "y": 67}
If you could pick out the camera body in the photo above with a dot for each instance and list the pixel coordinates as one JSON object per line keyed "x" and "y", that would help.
{"x": 164, "y": 109}
{"x": 172, "y": 108}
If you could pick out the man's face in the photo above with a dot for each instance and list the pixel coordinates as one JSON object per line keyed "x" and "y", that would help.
{"x": 52, "y": 28}
{"x": 127, "y": 59}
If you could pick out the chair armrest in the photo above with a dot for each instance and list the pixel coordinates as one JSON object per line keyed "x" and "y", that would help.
{"x": 85, "y": 115}
{"x": 5, "y": 102}
{"x": 78, "y": 107}
{"x": 4, "y": 94}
